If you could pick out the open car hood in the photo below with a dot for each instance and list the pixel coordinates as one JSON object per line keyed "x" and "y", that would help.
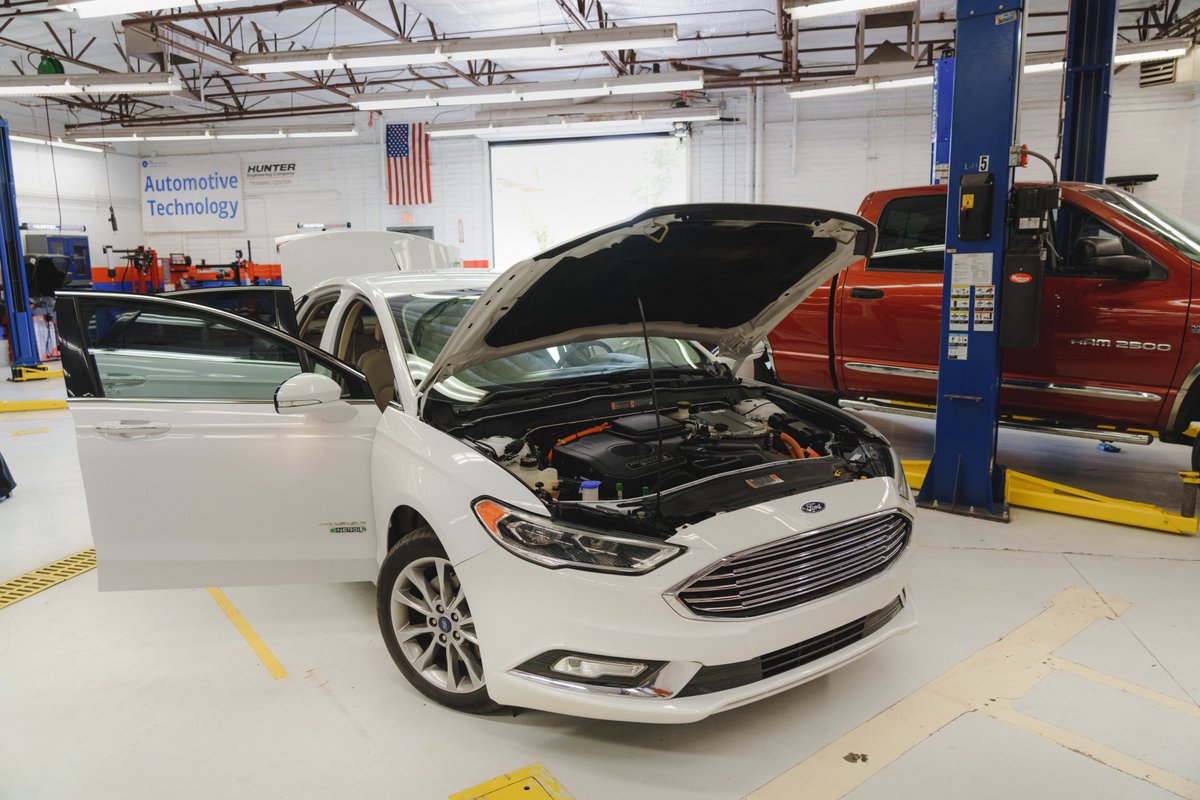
{"x": 720, "y": 273}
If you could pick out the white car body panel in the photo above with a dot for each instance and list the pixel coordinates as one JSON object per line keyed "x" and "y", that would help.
{"x": 307, "y": 259}
{"x": 191, "y": 505}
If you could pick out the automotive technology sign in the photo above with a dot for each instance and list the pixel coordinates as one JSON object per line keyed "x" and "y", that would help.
{"x": 192, "y": 193}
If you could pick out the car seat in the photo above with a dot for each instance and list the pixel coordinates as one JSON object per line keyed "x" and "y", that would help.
{"x": 376, "y": 365}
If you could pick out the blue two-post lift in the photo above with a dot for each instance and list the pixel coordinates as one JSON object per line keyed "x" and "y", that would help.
{"x": 25, "y": 362}
{"x": 985, "y": 76}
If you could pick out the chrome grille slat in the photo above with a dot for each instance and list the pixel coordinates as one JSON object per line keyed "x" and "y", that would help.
{"x": 798, "y": 569}
{"x": 727, "y": 572}
{"x": 802, "y": 590}
{"x": 814, "y": 560}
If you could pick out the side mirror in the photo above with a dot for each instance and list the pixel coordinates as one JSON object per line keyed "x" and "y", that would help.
{"x": 311, "y": 395}
{"x": 1125, "y": 267}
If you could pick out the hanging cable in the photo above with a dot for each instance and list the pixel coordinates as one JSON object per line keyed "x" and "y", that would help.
{"x": 53, "y": 163}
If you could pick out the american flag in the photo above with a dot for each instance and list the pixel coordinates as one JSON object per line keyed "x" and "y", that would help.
{"x": 408, "y": 165}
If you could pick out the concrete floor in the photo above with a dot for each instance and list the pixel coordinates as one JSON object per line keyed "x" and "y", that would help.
{"x": 155, "y": 694}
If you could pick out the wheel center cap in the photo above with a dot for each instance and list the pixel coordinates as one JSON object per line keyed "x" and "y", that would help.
{"x": 445, "y": 624}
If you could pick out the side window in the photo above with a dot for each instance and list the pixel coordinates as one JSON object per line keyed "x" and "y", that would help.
{"x": 1090, "y": 244}
{"x": 912, "y": 235}
{"x": 358, "y": 332}
{"x": 142, "y": 349}
{"x": 312, "y": 327}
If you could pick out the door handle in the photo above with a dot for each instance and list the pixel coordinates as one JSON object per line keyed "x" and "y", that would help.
{"x": 121, "y": 379}
{"x": 133, "y": 429}
{"x": 866, "y": 294}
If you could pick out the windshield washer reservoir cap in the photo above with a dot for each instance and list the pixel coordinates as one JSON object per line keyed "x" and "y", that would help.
{"x": 590, "y": 485}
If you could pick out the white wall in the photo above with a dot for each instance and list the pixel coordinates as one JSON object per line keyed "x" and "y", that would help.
{"x": 82, "y": 190}
{"x": 340, "y": 182}
{"x": 842, "y": 147}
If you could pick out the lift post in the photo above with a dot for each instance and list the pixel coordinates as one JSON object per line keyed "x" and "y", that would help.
{"x": 963, "y": 475}
{"x": 1087, "y": 88}
{"x": 25, "y": 362}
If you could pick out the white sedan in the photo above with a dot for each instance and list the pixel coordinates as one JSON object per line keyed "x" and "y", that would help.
{"x": 566, "y": 502}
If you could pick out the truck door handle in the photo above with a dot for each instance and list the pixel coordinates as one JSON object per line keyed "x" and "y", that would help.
{"x": 866, "y": 294}
{"x": 133, "y": 429}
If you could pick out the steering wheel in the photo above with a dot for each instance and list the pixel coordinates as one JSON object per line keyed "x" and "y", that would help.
{"x": 581, "y": 353}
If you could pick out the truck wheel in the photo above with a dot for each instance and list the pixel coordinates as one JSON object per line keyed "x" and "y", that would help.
{"x": 427, "y": 625}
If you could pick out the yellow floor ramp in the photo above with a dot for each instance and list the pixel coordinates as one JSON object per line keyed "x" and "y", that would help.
{"x": 533, "y": 782}
{"x": 1027, "y": 491}
{"x": 31, "y": 405}
{"x": 44, "y": 577}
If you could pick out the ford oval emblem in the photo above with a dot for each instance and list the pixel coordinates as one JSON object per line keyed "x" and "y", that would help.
{"x": 813, "y": 507}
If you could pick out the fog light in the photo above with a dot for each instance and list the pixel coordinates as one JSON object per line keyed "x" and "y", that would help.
{"x": 593, "y": 668}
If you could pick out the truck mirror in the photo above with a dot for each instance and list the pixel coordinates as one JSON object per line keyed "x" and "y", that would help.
{"x": 1126, "y": 267}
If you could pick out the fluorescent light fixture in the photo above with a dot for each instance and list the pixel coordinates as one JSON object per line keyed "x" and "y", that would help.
{"x": 1037, "y": 67}
{"x": 571, "y": 125}
{"x": 1152, "y": 50}
{"x": 808, "y": 10}
{"x": 194, "y": 134}
{"x": 529, "y": 92}
{"x": 904, "y": 83}
{"x": 56, "y": 142}
{"x": 267, "y": 135}
{"x": 94, "y": 83}
{"x": 109, "y": 8}
{"x": 828, "y": 89}
{"x": 124, "y": 137}
{"x": 49, "y": 226}
{"x": 440, "y": 51}
{"x": 181, "y": 137}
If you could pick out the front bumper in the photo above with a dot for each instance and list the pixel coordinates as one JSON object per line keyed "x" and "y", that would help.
{"x": 522, "y": 610}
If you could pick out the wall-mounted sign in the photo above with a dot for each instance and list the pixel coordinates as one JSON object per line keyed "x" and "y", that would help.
{"x": 270, "y": 174}
{"x": 192, "y": 193}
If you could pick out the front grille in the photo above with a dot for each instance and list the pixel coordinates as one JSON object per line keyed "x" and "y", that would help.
{"x": 730, "y": 676}
{"x": 796, "y": 570}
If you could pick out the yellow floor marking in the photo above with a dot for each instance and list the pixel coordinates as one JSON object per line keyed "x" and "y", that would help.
{"x": 1003, "y": 711}
{"x": 533, "y": 782}
{"x": 31, "y": 405}
{"x": 30, "y": 431}
{"x": 1165, "y": 700}
{"x": 44, "y": 577}
{"x": 1005, "y": 669}
{"x": 256, "y": 644}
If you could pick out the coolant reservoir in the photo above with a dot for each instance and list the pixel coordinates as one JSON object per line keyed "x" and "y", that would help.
{"x": 527, "y": 470}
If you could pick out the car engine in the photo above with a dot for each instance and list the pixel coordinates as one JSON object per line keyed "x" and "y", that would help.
{"x": 618, "y": 458}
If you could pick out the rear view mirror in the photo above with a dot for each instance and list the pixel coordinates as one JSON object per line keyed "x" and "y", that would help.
{"x": 1105, "y": 255}
{"x": 311, "y": 395}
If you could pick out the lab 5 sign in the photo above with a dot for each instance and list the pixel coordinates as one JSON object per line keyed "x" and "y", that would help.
{"x": 192, "y": 193}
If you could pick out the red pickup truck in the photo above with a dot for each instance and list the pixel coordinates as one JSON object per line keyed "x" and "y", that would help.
{"x": 1119, "y": 343}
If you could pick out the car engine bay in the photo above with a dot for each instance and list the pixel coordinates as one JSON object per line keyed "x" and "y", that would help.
{"x": 606, "y": 469}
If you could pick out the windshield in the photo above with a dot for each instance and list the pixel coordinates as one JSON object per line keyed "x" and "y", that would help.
{"x": 426, "y": 320}
{"x": 1184, "y": 235}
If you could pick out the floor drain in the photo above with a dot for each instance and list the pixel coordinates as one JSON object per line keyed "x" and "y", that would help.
{"x": 44, "y": 577}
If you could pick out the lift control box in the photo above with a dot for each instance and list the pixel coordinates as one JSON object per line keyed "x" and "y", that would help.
{"x": 975, "y": 206}
{"x": 1025, "y": 264}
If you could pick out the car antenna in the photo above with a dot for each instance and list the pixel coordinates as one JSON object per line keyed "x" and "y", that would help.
{"x": 653, "y": 395}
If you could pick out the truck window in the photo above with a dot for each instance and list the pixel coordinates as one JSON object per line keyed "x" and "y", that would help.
{"x": 912, "y": 235}
{"x": 1073, "y": 226}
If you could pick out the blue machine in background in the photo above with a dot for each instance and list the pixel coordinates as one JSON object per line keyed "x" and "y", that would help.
{"x": 1087, "y": 88}
{"x": 943, "y": 107}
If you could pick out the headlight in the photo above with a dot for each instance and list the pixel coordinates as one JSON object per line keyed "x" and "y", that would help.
{"x": 541, "y": 541}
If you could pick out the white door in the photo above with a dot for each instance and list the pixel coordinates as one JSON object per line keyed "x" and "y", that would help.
{"x": 192, "y": 477}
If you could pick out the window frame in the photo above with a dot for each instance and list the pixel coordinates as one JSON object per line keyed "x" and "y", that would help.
{"x": 1158, "y": 271}
{"x": 874, "y": 264}
{"x": 83, "y": 377}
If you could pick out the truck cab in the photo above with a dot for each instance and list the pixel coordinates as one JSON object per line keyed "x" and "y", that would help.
{"x": 1119, "y": 341}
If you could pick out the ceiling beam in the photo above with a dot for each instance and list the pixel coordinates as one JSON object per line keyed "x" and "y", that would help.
{"x": 577, "y": 16}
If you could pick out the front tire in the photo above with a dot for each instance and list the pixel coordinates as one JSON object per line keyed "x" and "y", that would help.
{"x": 427, "y": 624}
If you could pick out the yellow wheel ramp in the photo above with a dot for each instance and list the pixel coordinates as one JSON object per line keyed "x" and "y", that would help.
{"x": 31, "y": 405}
{"x": 1027, "y": 491}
